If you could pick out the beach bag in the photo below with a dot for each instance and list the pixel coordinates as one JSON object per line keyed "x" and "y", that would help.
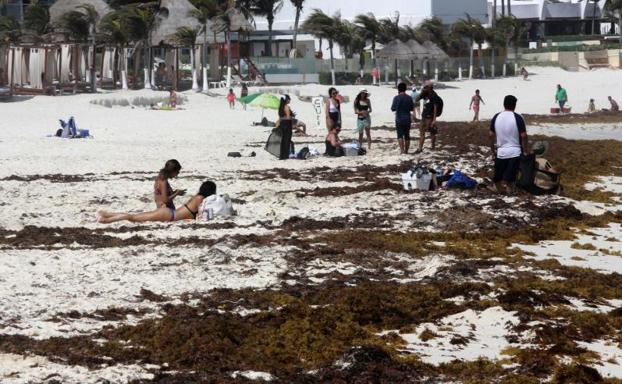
{"x": 215, "y": 205}
{"x": 461, "y": 181}
{"x": 303, "y": 154}
{"x": 537, "y": 176}
{"x": 351, "y": 149}
{"x": 418, "y": 178}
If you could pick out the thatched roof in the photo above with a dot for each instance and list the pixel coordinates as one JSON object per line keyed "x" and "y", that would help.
{"x": 396, "y": 49}
{"x": 173, "y": 15}
{"x": 435, "y": 52}
{"x": 60, "y": 7}
{"x": 419, "y": 50}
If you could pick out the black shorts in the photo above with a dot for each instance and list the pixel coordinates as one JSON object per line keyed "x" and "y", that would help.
{"x": 403, "y": 131}
{"x": 426, "y": 126}
{"x": 506, "y": 170}
{"x": 335, "y": 118}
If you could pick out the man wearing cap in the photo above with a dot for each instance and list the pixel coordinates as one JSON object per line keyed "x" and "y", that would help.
{"x": 508, "y": 140}
{"x": 403, "y": 107}
{"x": 431, "y": 105}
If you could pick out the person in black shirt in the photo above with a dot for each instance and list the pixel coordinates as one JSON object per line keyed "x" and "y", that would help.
{"x": 428, "y": 115}
{"x": 403, "y": 106}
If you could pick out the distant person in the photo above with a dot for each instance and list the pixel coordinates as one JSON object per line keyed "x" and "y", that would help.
{"x": 614, "y": 105}
{"x": 432, "y": 107}
{"x": 403, "y": 106}
{"x": 524, "y": 73}
{"x": 561, "y": 97}
{"x": 333, "y": 109}
{"x": 475, "y": 104}
{"x": 300, "y": 128}
{"x": 172, "y": 98}
{"x": 414, "y": 94}
{"x": 333, "y": 144}
{"x": 188, "y": 211}
{"x": 231, "y": 98}
{"x": 285, "y": 124}
{"x": 375, "y": 74}
{"x": 160, "y": 76}
{"x": 163, "y": 194}
{"x": 243, "y": 94}
{"x": 591, "y": 108}
{"x": 508, "y": 140}
{"x": 362, "y": 108}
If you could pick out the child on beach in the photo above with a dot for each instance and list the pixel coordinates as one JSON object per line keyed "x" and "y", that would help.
{"x": 188, "y": 211}
{"x": 614, "y": 105}
{"x": 475, "y": 101}
{"x": 243, "y": 94}
{"x": 172, "y": 98}
{"x": 163, "y": 194}
{"x": 231, "y": 99}
{"x": 591, "y": 108}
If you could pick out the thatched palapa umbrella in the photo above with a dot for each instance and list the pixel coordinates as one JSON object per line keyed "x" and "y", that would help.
{"x": 397, "y": 50}
{"x": 172, "y": 15}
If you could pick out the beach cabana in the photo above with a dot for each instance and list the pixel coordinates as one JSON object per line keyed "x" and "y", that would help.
{"x": 436, "y": 54}
{"x": 397, "y": 50}
{"x": 421, "y": 53}
{"x": 77, "y": 55}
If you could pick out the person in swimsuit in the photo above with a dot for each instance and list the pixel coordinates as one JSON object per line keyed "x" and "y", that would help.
{"x": 231, "y": 98}
{"x": 163, "y": 214}
{"x": 362, "y": 108}
{"x": 475, "y": 101}
{"x": 333, "y": 109}
{"x": 163, "y": 194}
{"x": 333, "y": 144}
{"x": 172, "y": 98}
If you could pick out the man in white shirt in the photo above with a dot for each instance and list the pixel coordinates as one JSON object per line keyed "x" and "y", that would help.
{"x": 508, "y": 140}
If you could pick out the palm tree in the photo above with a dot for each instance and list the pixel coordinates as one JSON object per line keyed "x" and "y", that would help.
{"x": 267, "y": 9}
{"x": 389, "y": 30}
{"x": 506, "y": 26}
{"x": 92, "y": 18}
{"x": 187, "y": 37}
{"x": 206, "y": 11}
{"x": 370, "y": 27}
{"x": 75, "y": 25}
{"x": 140, "y": 20}
{"x": 114, "y": 32}
{"x": 434, "y": 31}
{"x": 298, "y": 5}
{"x": 496, "y": 38}
{"x": 473, "y": 30}
{"x": 323, "y": 26}
{"x": 9, "y": 29}
{"x": 36, "y": 18}
{"x": 614, "y": 7}
{"x": 344, "y": 36}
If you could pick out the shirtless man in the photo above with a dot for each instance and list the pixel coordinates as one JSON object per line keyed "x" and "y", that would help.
{"x": 475, "y": 101}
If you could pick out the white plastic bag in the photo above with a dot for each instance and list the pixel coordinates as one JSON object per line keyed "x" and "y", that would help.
{"x": 215, "y": 205}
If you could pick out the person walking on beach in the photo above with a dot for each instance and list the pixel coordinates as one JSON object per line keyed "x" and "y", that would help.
{"x": 333, "y": 110}
{"x": 432, "y": 108}
{"x": 362, "y": 108}
{"x": 475, "y": 101}
{"x": 231, "y": 98}
{"x": 561, "y": 97}
{"x": 508, "y": 141}
{"x": 285, "y": 124}
{"x": 243, "y": 94}
{"x": 188, "y": 211}
{"x": 163, "y": 194}
{"x": 403, "y": 106}
{"x": 614, "y": 104}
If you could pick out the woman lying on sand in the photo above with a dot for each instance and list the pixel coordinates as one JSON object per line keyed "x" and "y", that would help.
{"x": 187, "y": 211}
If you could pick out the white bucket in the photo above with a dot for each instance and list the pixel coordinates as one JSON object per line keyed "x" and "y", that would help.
{"x": 411, "y": 182}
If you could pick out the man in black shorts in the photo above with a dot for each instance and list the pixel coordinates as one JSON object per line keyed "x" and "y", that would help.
{"x": 428, "y": 115}
{"x": 508, "y": 140}
{"x": 403, "y": 106}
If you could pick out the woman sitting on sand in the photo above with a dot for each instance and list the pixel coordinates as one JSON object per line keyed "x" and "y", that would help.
{"x": 333, "y": 144}
{"x": 163, "y": 194}
{"x": 190, "y": 210}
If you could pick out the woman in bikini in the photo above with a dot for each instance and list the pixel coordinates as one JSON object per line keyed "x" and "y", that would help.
{"x": 163, "y": 214}
{"x": 163, "y": 194}
{"x": 333, "y": 110}
{"x": 362, "y": 107}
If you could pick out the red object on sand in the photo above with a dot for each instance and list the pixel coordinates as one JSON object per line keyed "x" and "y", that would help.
{"x": 566, "y": 110}
{"x": 555, "y": 110}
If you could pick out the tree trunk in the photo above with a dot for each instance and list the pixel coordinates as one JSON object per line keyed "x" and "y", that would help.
{"x": 76, "y": 64}
{"x": 146, "y": 69}
{"x": 117, "y": 67}
{"x": 136, "y": 70}
{"x": 494, "y": 13}
{"x": 228, "y": 42}
{"x": 471, "y": 60}
{"x": 620, "y": 25}
{"x": 269, "y": 47}
{"x": 502, "y": 9}
{"x": 332, "y": 61}
{"x": 94, "y": 58}
{"x": 296, "y": 22}
{"x": 373, "y": 52}
{"x": 509, "y": 7}
{"x": 480, "y": 57}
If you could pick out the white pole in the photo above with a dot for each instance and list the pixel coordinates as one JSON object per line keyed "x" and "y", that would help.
{"x": 205, "y": 84}
{"x": 436, "y": 72}
{"x": 332, "y": 76}
{"x": 460, "y": 72}
{"x": 515, "y": 69}
{"x": 505, "y": 70}
{"x": 492, "y": 70}
{"x": 228, "y": 82}
{"x": 153, "y": 84}
{"x": 147, "y": 80}
{"x": 195, "y": 80}
{"x": 470, "y": 71}
{"x": 124, "y": 79}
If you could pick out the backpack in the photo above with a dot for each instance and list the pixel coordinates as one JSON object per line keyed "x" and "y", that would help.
{"x": 215, "y": 205}
{"x": 537, "y": 176}
{"x": 439, "y": 106}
